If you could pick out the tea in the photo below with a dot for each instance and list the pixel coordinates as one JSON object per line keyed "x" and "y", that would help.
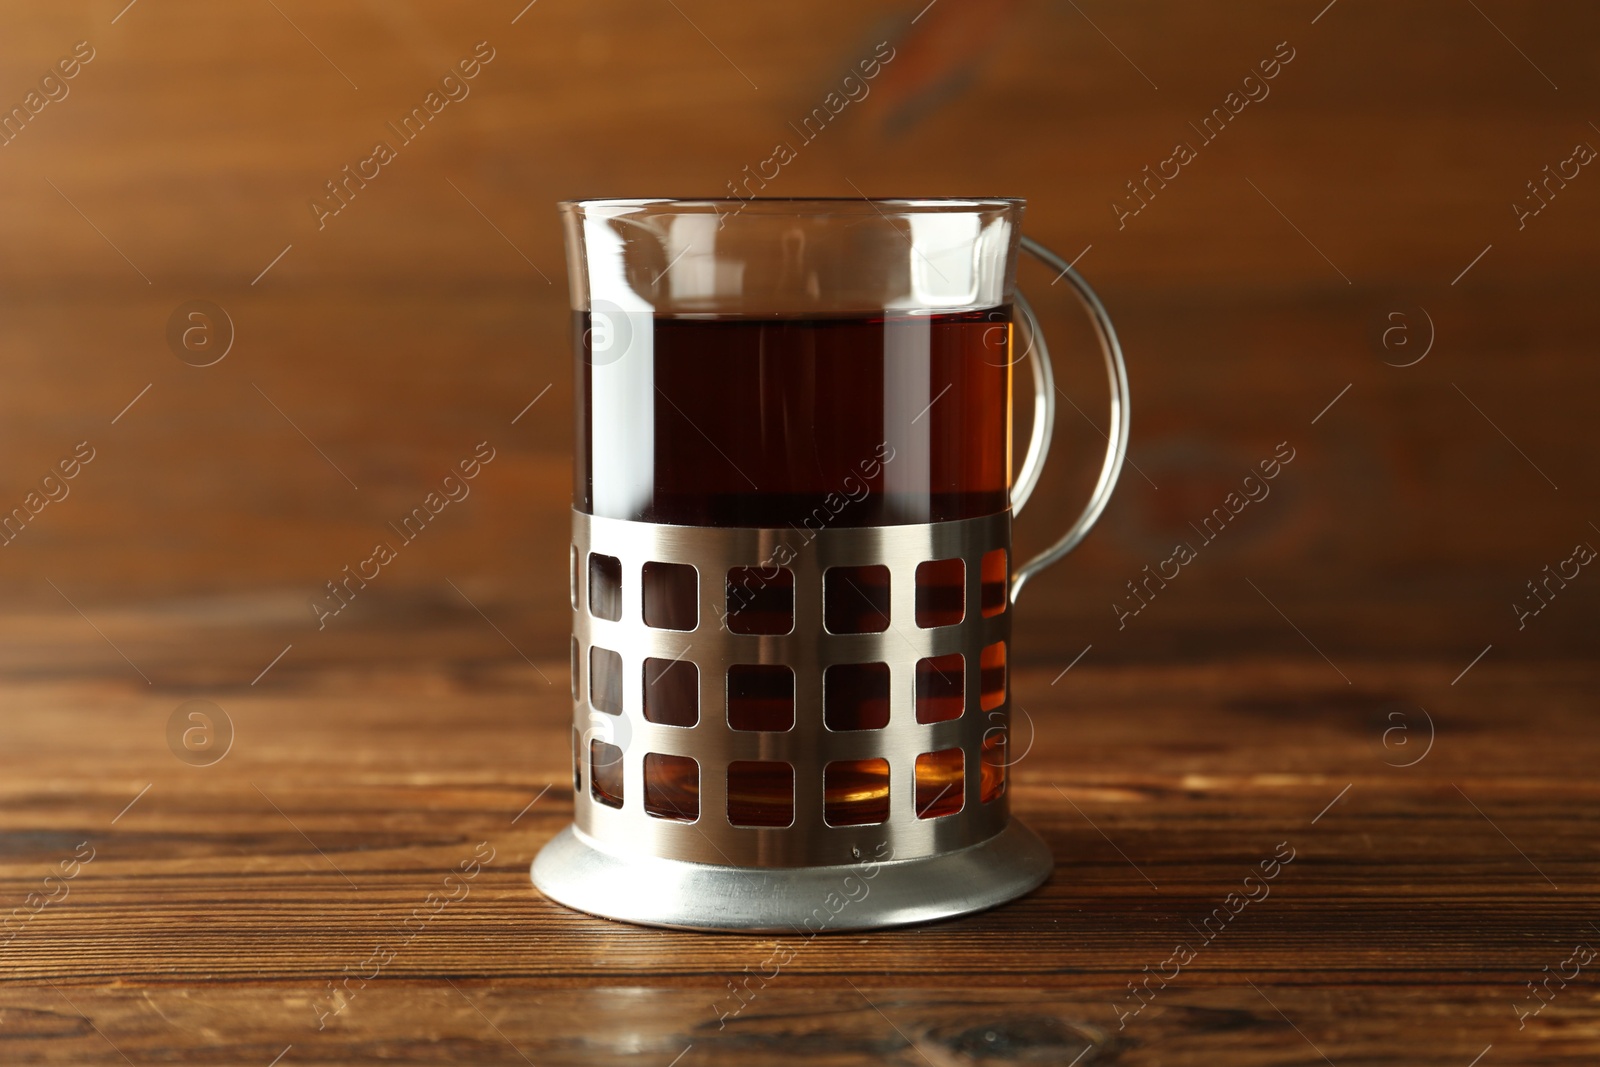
{"x": 865, "y": 420}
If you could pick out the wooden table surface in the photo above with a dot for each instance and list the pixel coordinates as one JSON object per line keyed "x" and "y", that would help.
{"x": 1341, "y": 677}
{"x": 1427, "y": 865}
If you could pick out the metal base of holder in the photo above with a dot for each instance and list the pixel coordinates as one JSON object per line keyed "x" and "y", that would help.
{"x": 792, "y": 900}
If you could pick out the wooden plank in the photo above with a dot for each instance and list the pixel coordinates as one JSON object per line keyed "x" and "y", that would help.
{"x": 1397, "y": 139}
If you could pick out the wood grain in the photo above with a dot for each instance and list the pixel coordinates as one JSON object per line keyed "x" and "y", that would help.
{"x": 408, "y": 329}
{"x": 218, "y": 907}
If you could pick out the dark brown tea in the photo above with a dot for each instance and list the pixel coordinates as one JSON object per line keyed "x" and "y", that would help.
{"x": 864, "y": 420}
{"x": 805, "y": 423}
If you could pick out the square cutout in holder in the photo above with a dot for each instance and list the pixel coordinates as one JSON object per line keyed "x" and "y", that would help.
{"x": 941, "y": 783}
{"x": 605, "y": 587}
{"x": 605, "y": 680}
{"x": 577, "y": 761}
{"x": 572, "y": 576}
{"x": 941, "y": 688}
{"x": 941, "y": 592}
{"x": 671, "y": 787}
{"x": 855, "y": 696}
{"x": 992, "y": 762}
{"x": 760, "y": 600}
{"x": 760, "y": 793}
{"x": 855, "y": 792}
{"x": 605, "y": 773}
{"x": 671, "y": 692}
{"x": 992, "y": 676}
{"x": 855, "y": 600}
{"x": 671, "y": 595}
{"x": 761, "y": 696}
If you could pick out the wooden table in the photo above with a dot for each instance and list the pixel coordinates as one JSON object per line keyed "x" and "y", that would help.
{"x": 223, "y": 902}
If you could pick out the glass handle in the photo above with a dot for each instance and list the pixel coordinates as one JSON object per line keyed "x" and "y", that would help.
{"x": 1044, "y": 415}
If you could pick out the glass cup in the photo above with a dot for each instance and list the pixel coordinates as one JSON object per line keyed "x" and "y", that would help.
{"x": 791, "y": 566}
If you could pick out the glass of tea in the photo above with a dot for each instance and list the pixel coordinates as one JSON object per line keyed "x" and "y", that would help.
{"x": 791, "y": 573}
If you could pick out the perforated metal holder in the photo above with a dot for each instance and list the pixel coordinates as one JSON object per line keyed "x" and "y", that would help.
{"x": 846, "y": 859}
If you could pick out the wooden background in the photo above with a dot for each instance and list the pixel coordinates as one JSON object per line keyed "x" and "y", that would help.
{"x": 1377, "y": 178}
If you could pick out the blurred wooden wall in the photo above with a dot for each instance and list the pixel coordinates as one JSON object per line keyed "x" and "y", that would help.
{"x": 423, "y": 317}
